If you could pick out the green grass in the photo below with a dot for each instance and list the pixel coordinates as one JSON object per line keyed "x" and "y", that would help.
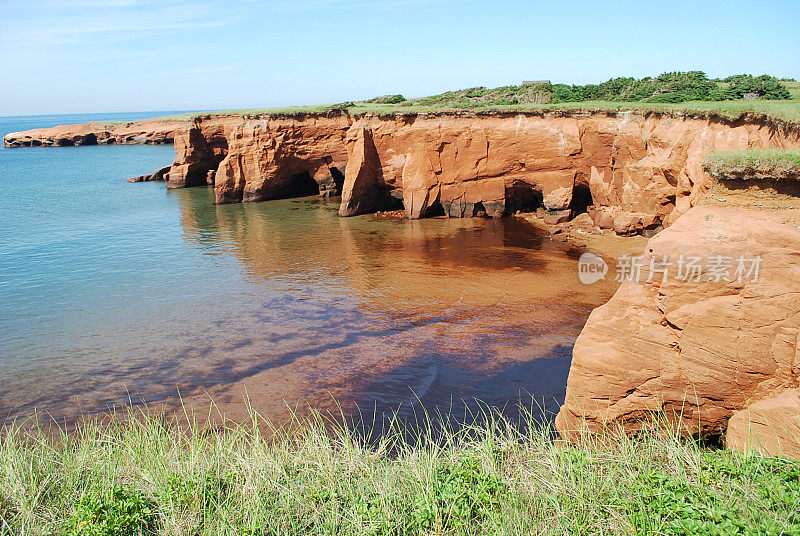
{"x": 536, "y": 99}
{"x": 784, "y": 110}
{"x": 754, "y": 164}
{"x": 286, "y": 110}
{"x": 794, "y": 89}
{"x": 150, "y": 476}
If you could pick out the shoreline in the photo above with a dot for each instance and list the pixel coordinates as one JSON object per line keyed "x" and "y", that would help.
{"x": 590, "y": 176}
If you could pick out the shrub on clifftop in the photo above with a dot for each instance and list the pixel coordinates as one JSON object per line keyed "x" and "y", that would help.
{"x": 387, "y": 99}
{"x": 743, "y": 86}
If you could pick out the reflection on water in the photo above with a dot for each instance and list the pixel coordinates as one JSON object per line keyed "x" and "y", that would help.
{"x": 112, "y": 291}
{"x": 386, "y": 314}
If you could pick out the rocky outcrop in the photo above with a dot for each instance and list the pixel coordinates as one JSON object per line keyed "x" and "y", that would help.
{"x": 198, "y": 151}
{"x": 159, "y": 175}
{"x": 633, "y": 171}
{"x": 715, "y": 353}
{"x": 364, "y": 189}
{"x": 105, "y": 133}
{"x": 279, "y": 157}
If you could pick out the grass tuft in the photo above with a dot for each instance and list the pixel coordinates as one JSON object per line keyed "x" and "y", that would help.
{"x": 754, "y": 164}
{"x": 146, "y": 474}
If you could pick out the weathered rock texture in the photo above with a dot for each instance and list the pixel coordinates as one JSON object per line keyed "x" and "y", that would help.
{"x": 282, "y": 157}
{"x": 198, "y": 151}
{"x": 633, "y": 171}
{"x": 713, "y": 356}
{"x": 132, "y": 133}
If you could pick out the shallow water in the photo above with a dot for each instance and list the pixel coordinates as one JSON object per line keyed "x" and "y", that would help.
{"x": 111, "y": 291}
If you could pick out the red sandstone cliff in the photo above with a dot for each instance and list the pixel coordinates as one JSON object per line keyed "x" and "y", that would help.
{"x": 635, "y": 171}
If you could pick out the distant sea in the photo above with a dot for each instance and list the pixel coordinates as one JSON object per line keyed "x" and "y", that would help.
{"x": 112, "y": 292}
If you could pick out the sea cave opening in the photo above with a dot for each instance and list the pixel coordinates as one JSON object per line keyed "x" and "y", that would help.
{"x": 478, "y": 210}
{"x": 581, "y": 199}
{"x": 434, "y": 210}
{"x": 298, "y": 185}
{"x": 522, "y": 197}
{"x": 338, "y": 177}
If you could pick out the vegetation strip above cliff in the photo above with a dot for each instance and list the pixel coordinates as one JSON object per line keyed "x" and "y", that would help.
{"x": 151, "y": 476}
{"x": 691, "y": 93}
{"x": 754, "y": 164}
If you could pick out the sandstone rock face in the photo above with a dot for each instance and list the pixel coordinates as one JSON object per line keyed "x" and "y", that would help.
{"x": 636, "y": 171}
{"x": 710, "y": 354}
{"x": 364, "y": 189}
{"x": 281, "y": 157}
{"x": 133, "y": 133}
{"x": 199, "y": 149}
{"x": 769, "y": 426}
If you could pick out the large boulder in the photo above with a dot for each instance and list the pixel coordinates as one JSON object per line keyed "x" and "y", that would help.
{"x": 713, "y": 354}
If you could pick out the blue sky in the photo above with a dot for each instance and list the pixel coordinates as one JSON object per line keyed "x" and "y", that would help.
{"x": 74, "y": 56}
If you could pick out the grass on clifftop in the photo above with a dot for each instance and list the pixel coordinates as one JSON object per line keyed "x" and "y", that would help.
{"x": 754, "y": 164}
{"x": 785, "y": 110}
{"x": 696, "y": 95}
{"x": 150, "y": 476}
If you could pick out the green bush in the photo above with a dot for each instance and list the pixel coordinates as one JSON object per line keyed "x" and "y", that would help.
{"x": 194, "y": 493}
{"x": 565, "y": 93}
{"x": 762, "y": 87}
{"x": 387, "y": 99}
{"x": 667, "y": 87}
{"x": 114, "y": 512}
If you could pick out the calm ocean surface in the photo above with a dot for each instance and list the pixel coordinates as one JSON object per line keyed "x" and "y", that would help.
{"x": 111, "y": 291}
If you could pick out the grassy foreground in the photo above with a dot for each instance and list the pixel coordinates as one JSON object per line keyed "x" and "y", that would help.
{"x": 754, "y": 164}
{"x": 150, "y": 476}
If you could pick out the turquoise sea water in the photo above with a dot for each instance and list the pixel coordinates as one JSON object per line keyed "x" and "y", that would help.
{"x": 111, "y": 292}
